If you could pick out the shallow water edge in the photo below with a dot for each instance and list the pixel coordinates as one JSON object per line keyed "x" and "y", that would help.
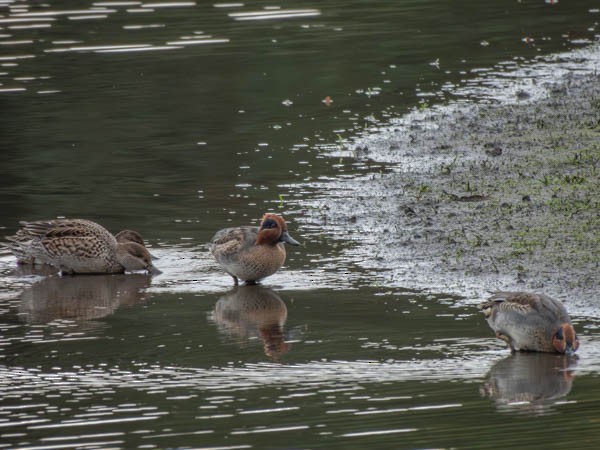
{"x": 479, "y": 197}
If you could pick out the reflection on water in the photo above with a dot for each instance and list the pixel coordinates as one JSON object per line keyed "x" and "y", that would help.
{"x": 247, "y": 312}
{"x": 530, "y": 382}
{"x": 83, "y": 297}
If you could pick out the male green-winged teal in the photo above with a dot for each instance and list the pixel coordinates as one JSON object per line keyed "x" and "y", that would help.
{"x": 530, "y": 322}
{"x": 79, "y": 246}
{"x": 252, "y": 253}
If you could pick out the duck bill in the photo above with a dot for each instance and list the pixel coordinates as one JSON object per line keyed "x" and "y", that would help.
{"x": 153, "y": 270}
{"x": 569, "y": 351}
{"x": 285, "y": 237}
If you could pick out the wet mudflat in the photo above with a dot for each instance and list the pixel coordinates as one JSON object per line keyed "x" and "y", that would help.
{"x": 382, "y": 146}
{"x": 484, "y": 197}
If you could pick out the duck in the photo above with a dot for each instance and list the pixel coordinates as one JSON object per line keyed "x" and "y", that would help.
{"x": 530, "y": 322}
{"x": 79, "y": 246}
{"x": 251, "y": 253}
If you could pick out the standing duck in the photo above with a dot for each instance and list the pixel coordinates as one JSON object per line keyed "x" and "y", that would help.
{"x": 79, "y": 246}
{"x": 252, "y": 253}
{"x": 530, "y": 322}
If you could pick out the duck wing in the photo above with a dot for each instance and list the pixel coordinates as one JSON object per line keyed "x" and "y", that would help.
{"x": 63, "y": 228}
{"x": 63, "y": 237}
{"x": 228, "y": 243}
{"x": 524, "y": 304}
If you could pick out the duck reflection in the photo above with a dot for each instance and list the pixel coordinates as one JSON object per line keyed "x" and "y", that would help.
{"x": 254, "y": 311}
{"x": 84, "y": 297}
{"x": 530, "y": 382}
{"x": 25, "y": 270}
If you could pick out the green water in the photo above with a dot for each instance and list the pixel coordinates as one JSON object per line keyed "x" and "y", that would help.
{"x": 112, "y": 116}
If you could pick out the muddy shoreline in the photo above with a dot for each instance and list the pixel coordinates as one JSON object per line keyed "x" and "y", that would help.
{"x": 482, "y": 197}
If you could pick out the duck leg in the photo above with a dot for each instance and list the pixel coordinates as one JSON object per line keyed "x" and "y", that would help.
{"x": 506, "y": 339}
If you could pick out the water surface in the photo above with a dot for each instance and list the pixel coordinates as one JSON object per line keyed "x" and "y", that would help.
{"x": 179, "y": 118}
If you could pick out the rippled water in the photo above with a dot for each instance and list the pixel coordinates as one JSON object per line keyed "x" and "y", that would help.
{"x": 179, "y": 118}
{"x": 260, "y": 367}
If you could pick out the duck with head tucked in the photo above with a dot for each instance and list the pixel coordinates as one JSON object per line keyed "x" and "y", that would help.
{"x": 530, "y": 322}
{"x": 79, "y": 246}
{"x": 252, "y": 253}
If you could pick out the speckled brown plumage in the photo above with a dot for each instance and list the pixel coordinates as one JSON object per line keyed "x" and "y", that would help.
{"x": 77, "y": 246}
{"x": 252, "y": 253}
{"x": 530, "y": 322}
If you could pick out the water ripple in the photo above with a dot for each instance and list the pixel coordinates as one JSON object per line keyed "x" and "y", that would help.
{"x": 168, "y": 4}
{"x": 379, "y": 432}
{"x": 277, "y": 14}
{"x": 65, "y": 12}
{"x": 247, "y": 377}
{"x": 105, "y": 12}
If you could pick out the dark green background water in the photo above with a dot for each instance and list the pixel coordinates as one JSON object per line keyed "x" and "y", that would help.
{"x": 178, "y": 140}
